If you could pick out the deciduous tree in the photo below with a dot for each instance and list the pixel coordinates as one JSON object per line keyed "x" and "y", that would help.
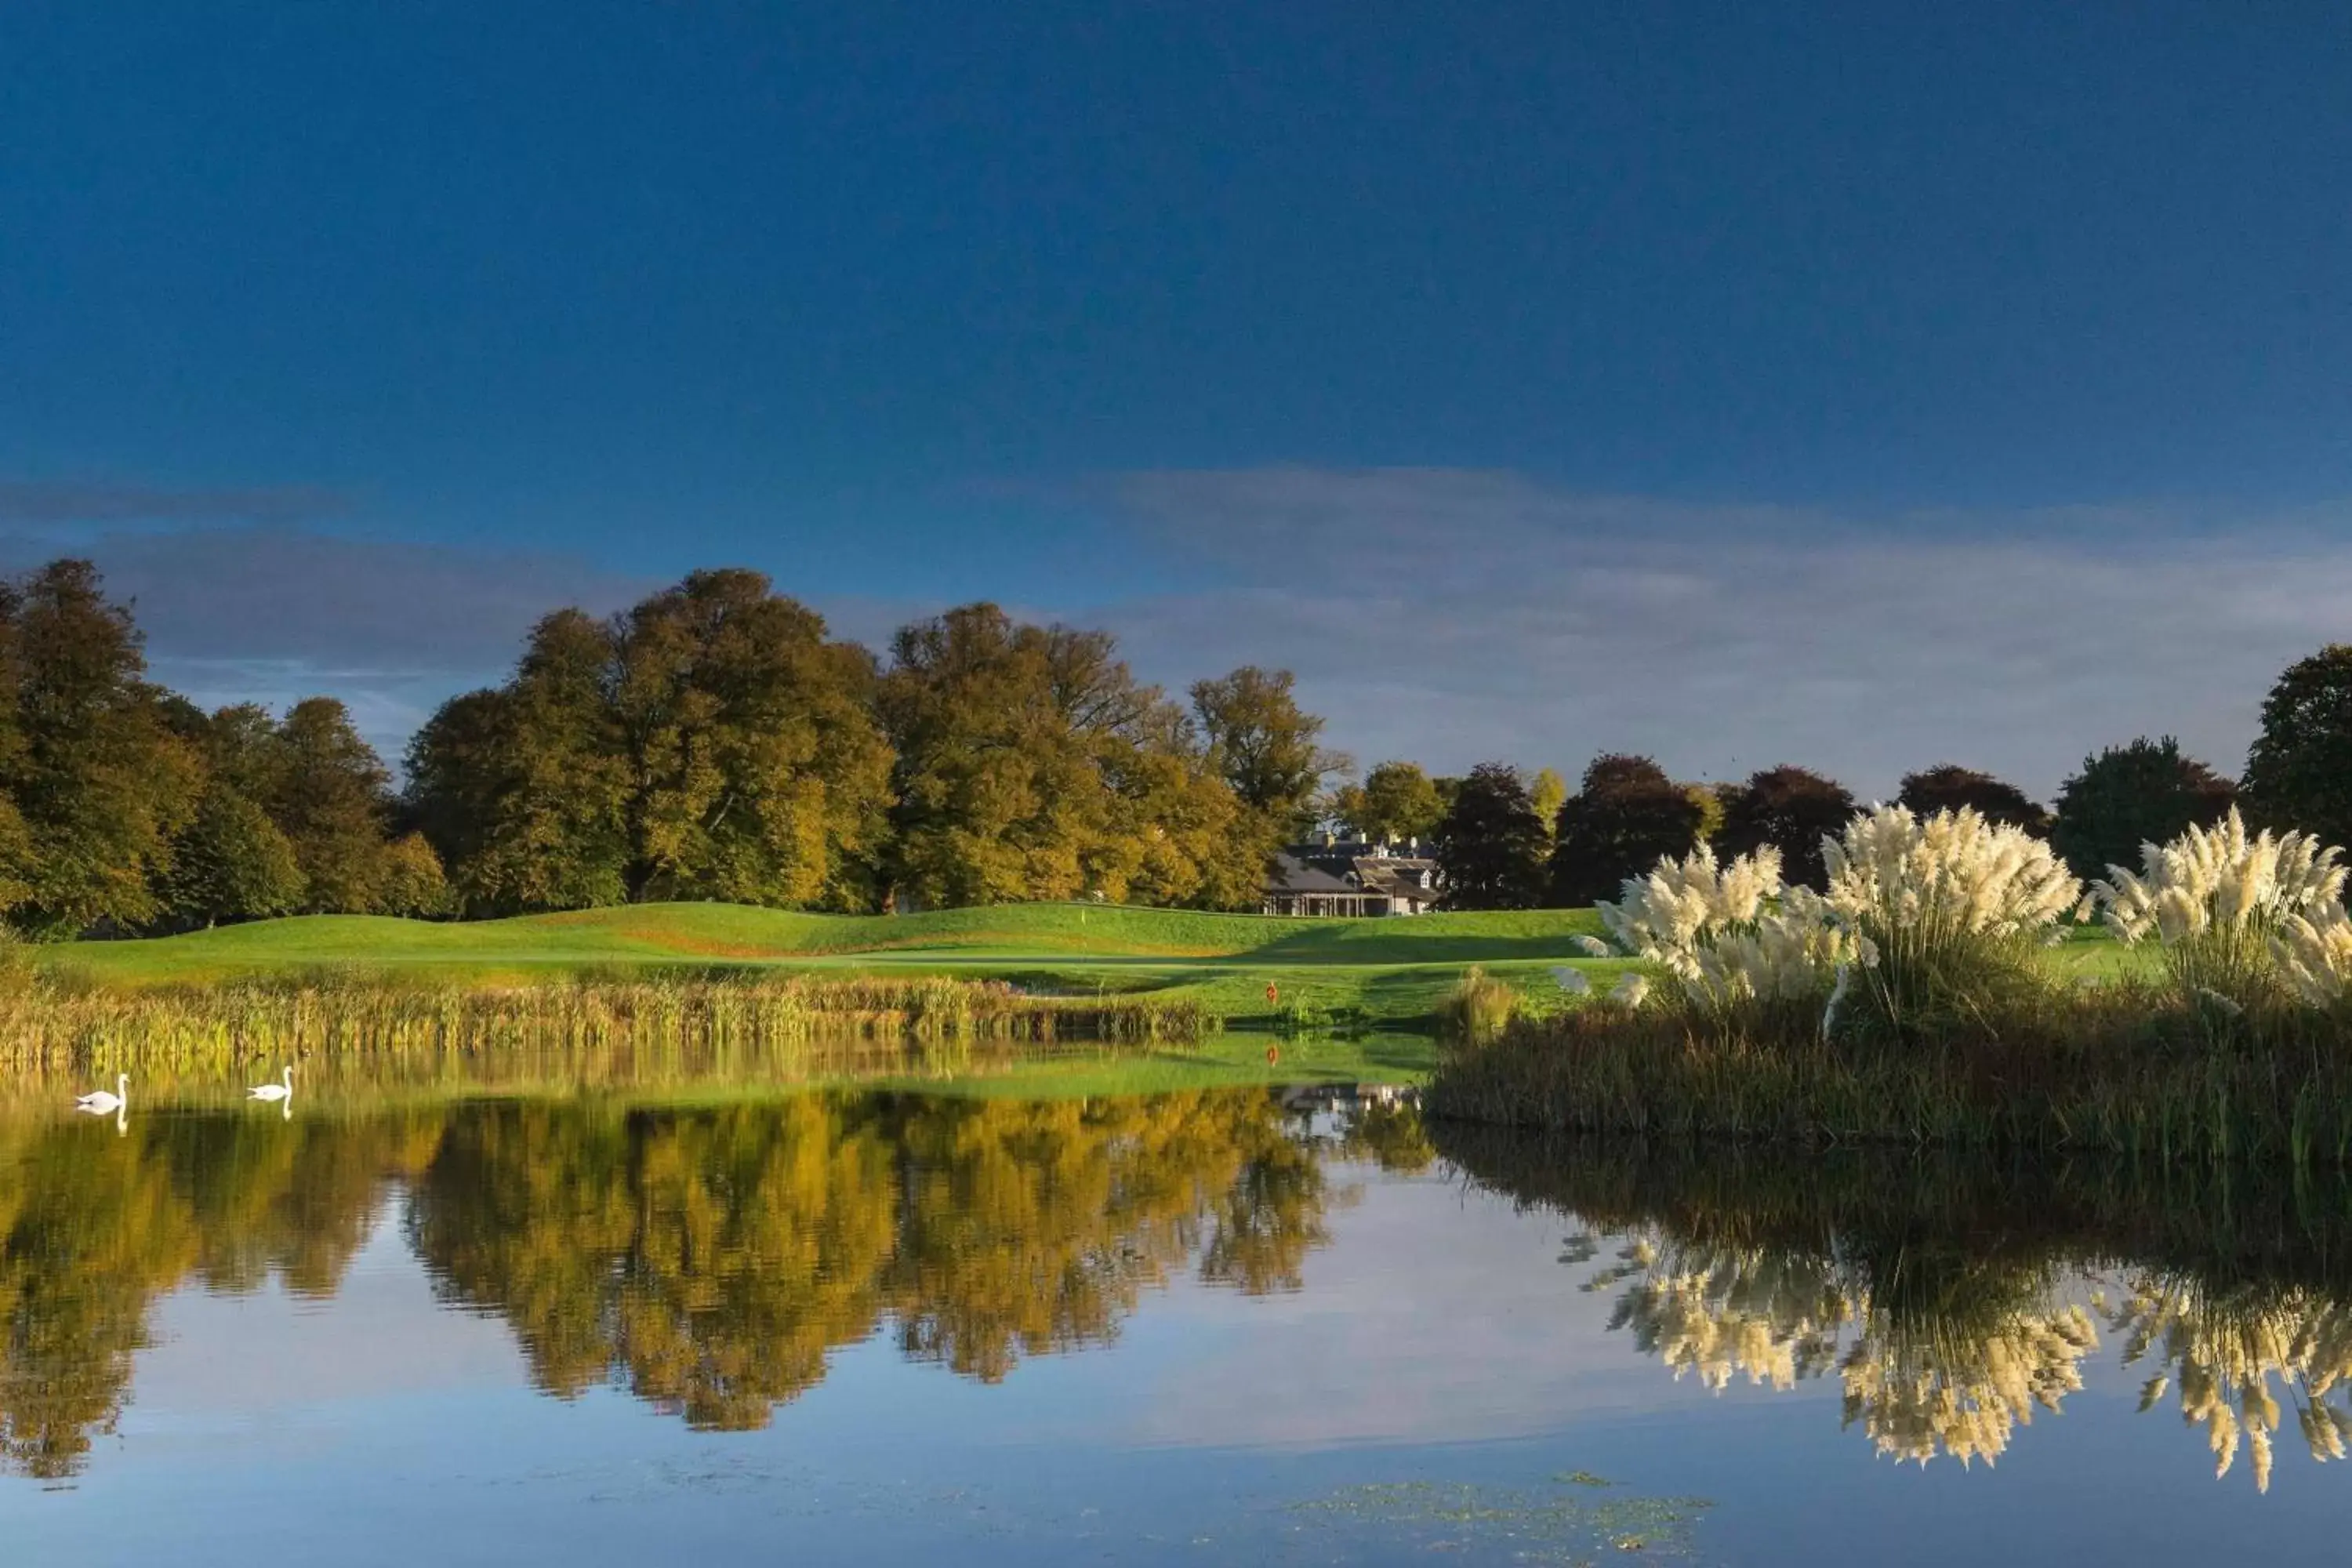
{"x": 332, "y": 798}
{"x": 1491, "y": 846}
{"x": 1792, "y": 809}
{"x": 2299, "y": 774}
{"x": 1950, "y": 787}
{"x": 1625, "y": 815}
{"x": 1032, "y": 766}
{"x": 1396, "y": 801}
{"x": 230, "y": 863}
{"x": 711, "y": 743}
{"x": 2147, "y": 791}
{"x": 98, "y": 780}
{"x": 1265, "y": 746}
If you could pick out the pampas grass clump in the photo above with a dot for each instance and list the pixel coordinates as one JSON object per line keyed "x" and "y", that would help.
{"x": 1947, "y": 911}
{"x": 1730, "y": 936}
{"x": 2216, "y": 896}
{"x": 2314, "y": 954}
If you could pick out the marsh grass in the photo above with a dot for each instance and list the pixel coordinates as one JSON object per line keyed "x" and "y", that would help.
{"x": 63, "y": 1019}
{"x": 2130, "y": 1068}
{"x": 1478, "y": 1008}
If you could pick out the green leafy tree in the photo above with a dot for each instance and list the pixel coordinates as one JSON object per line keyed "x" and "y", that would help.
{"x": 1624, "y": 817}
{"x": 1396, "y": 801}
{"x": 1031, "y": 764}
{"x": 1950, "y": 787}
{"x": 413, "y": 883}
{"x": 331, "y": 797}
{"x": 1491, "y": 845}
{"x": 711, "y": 743}
{"x": 1709, "y": 799}
{"x": 1790, "y": 808}
{"x": 758, "y": 774}
{"x": 1548, "y": 794}
{"x": 231, "y": 863}
{"x": 1265, "y": 747}
{"x": 2299, "y": 774}
{"x": 524, "y": 791}
{"x": 98, "y": 780}
{"x": 2145, "y": 793}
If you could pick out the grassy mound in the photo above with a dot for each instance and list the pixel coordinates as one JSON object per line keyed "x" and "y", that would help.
{"x": 711, "y": 934}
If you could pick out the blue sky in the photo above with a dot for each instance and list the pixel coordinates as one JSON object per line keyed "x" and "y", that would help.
{"x": 1856, "y": 385}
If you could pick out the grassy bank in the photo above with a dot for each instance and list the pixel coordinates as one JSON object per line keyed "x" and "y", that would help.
{"x": 1325, "y": 973}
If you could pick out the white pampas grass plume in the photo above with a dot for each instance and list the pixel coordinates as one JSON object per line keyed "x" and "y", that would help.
{"x": 2314, "y": 954}
{"x": 1950, "y": 875}
{"x": 1630, "y": 990}
{"x": 1730, "y": 933}
{"x": 1593, "y": 947}
{"x": 2236, "y": 913}
{"x": 1574, "y": 982}
{"x": 2219, "y": 876}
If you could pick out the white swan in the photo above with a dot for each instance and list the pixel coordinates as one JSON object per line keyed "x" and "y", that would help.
{"x": 274, "y": 1092}
{"x": 101, "y": 1102}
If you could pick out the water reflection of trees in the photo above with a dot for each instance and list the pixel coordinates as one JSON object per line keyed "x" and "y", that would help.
{"x": 94, "y": 1226}
{"x": 1951, "y": 1301}
{"x": 709, "y": 1260}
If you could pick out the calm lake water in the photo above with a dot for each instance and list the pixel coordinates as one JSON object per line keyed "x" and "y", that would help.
{"x": 1219, "y": 1325}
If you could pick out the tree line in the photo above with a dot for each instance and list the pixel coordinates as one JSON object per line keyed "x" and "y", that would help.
{"x": 1499, "y": 848}
{"x": 126, "y": 808}
{"x": 714, "y": 742}
{"x": 711, "y": 743}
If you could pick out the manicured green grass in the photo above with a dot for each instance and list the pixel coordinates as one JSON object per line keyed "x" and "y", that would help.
{"x": 730, "y": 933}
{"x": 1323, "y": 972}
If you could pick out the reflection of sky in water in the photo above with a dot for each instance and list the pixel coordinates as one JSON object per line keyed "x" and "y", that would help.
{"x": 1426, "y": 1396}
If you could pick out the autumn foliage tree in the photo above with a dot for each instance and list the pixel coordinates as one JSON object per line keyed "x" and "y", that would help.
{"x": 1265, "y": 748}
{"x": 711, "y": 742}
{"x": 1032, "y": 764}
{"x": 95, "y": 783}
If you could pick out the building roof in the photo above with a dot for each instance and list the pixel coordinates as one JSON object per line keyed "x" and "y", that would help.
{"x": 1292, "y": 875}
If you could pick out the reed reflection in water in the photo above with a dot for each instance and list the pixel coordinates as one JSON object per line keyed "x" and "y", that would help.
{"x": 1953, "y": 1299}
{"x": 709, "y": 1260}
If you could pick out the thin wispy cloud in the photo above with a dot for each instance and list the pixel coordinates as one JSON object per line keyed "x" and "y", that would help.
{"x": 270, "y": 614}
{"x": 1452, "y": 615}
{"x": 1448, "y": 615}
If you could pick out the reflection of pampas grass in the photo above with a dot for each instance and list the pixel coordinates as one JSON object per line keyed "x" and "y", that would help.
{"x": 2222, "y": 1351}
{"x": 1779, "y": 1317}
{"x": 2215, "y": 896}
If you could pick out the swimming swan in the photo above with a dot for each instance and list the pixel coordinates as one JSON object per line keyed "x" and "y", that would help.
{"x": 100, "y": 1102}
{"x": 274, "y": 1092}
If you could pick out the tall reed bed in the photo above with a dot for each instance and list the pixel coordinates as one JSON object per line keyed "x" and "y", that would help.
{"x": 55, "y": 1025}
{"x": 1908, "y": 1001}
